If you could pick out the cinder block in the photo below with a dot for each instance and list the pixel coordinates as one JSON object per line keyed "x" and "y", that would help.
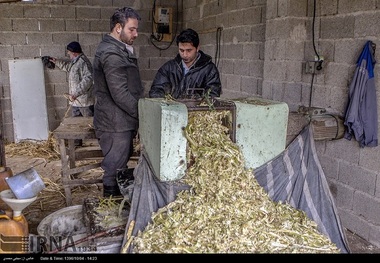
{"x": 105, "y": 3}
{"x": 11, "y": 38}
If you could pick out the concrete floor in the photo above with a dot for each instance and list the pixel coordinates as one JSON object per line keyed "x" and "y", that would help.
{"x": 357, "y": 245}
{"x": 360, "y": 246}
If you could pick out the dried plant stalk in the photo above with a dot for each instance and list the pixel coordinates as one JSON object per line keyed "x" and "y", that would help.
{"x": 226, "y": 210}
{"x": 107, "y": 213}
{"x": 47, "y": 149}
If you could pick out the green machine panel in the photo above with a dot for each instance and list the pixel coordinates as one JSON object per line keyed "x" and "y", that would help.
{"x": 161, "y": 123}
{"x": 261, "y": 128}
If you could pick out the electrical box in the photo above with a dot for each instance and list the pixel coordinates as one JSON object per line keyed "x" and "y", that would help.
{"x": 315, "y": 66}
{"x": 310, "y": 67}
{"x": 162, "y": 26}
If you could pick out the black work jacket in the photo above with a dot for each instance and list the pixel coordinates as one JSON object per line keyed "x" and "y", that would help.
{"x": 203, "y": 77}
{"x": 117, "y": 87}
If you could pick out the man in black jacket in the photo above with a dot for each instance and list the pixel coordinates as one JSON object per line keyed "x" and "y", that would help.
{"x": 117, "y": 88}
{"x": 191, "y": 74}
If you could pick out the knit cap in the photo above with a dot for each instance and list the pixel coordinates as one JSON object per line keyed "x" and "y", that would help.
{"x": 74, "y": 47}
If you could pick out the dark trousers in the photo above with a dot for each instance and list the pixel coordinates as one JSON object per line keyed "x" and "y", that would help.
{"x": 82, "y": 111}
{"x": 117, "y": 148}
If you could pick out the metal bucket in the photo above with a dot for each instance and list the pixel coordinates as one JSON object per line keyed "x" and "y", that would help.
{"x": 26, "y": 184}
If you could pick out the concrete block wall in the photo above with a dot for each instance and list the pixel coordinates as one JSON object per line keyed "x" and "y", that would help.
{"x": 45, "y": 27}
{"x": 265, "y": 45}
{"x": 341, "y": 30}
{"x": 260, "y": 47}
{"x": 239, "y": 54}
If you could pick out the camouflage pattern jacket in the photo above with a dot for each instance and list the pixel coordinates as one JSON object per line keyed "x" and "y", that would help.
{"x": 80, "y": 79}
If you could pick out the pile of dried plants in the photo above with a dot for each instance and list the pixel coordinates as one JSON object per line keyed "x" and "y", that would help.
{"x": 226, "y": 210}
{"x": 46, "y": 149}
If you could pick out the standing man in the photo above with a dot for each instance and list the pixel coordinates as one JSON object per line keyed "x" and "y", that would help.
{"x": 191, "y": 74}
{"x": 117, "y": 87}
{"x": 80, "y": 95}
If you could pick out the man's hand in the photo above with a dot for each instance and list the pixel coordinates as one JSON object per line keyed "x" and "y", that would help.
{"x": 51, "y": 59}
{"x": 70, "y": 97}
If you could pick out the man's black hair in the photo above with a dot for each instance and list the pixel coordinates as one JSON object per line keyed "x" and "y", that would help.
{"x": 121, "y": 16}
{"x": 188, "y": 36}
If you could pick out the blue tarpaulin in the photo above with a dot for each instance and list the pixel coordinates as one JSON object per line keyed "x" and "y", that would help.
{"x": 296, "y": 177}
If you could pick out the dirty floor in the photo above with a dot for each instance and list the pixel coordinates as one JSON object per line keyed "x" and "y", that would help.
{"x": 52, "y": 198}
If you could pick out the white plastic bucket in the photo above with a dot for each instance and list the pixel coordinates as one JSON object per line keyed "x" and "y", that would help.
{"x": 65, "y": 225}
{"x": 68, "y": 223}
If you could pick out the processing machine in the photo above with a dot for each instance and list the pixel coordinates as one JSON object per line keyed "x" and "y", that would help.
{"x": 258, "y": 126}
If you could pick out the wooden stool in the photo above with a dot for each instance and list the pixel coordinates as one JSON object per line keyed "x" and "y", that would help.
{"x": 69, "y": 130}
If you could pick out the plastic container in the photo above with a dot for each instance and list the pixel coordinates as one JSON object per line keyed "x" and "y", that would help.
{"x": 65, "y": 222}
{"x": 67, "y": 225}
{"x": 16, "y": 205}
{"x": 14, "y": 234}
{"x": 4, "y": 173}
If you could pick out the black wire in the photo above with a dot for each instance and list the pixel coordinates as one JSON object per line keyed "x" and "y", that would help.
{"x": 313, "y": 30}
{"x": 161, "y": 36}
{"x": 217, "y": 51}
{"x": 154, "y": 22}
{"x": 311, "y": 89}
{"x": 154, "y": 14}
{"x": 315, "y": 50}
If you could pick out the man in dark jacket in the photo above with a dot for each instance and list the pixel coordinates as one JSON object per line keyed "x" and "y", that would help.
{"x": 191, "y": 74}
{"x": 117, "y": 87}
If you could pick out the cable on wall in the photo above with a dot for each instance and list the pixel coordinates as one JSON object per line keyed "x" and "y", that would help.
{"x": 153, "y": 38}
{"x": 217, "y": 51}
{"x": 316, "y": 53}
{"x": 313, "y": 32}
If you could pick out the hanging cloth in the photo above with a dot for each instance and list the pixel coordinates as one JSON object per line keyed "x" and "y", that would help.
{"x": 361, "y": 113}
